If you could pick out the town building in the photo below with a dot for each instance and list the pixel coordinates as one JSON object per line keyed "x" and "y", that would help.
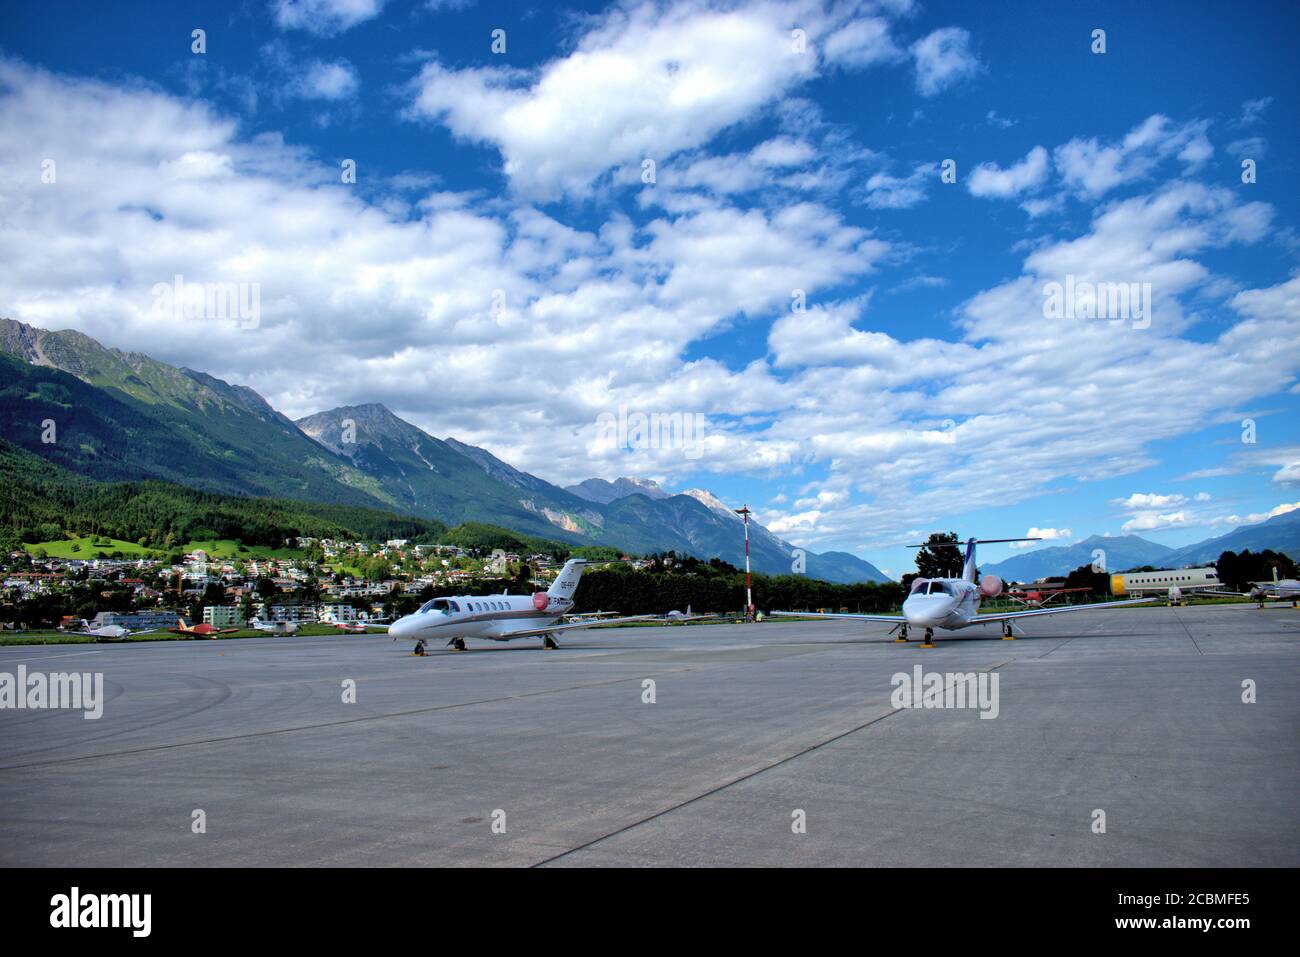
{"x": 223, "y": 616}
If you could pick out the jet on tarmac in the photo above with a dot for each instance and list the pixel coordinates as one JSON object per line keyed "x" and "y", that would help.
{"x": 953, "y": 603}
{"x": 501, "y": 617}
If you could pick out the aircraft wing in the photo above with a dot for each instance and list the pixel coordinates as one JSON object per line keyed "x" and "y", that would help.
{"x": 1062, "y": 609}
{"x": 378, "y": 626}
{"x": 896, "y": 619}
{"x": 574, "y": 625}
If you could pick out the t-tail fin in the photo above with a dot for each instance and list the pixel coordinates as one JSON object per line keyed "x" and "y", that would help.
{"x": 968, "y": 567}
{"x": 566, "y": 583}
{"x": 968, "y": 570}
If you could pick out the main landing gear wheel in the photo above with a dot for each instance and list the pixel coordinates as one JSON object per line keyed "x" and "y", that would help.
{"x": 419, "y": 651}
{"x": 929, "y": 639}
{"x": 457, "y": 643}
{"x": 902, "y": 634}
{"x": 548, "y": 643}
{"x": 1007, "y": 634}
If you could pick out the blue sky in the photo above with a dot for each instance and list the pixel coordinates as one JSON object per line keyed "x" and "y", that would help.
{"x": 921, "y": 388}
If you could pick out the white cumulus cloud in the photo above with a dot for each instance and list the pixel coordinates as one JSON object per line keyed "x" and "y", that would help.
{"x": 988, "y": 179}
{"x": 324, "y": 17}
{"x": 943, "y": 59}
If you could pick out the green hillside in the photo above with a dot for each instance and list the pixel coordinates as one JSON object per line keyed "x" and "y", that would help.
{"x": 121, "y": 416}
{"x": 43, "y": 503}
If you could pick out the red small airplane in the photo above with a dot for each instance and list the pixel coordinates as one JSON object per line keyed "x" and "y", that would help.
{"x": 1036, "y": 599}
{"x": 201, "y": 630}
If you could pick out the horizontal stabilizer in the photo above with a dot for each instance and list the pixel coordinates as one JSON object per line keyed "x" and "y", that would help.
{"x": 978, "y": 541}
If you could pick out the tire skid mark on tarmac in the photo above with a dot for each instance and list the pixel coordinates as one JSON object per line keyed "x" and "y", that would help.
{"x": 328, "y": 724}
{"x": 194, "y": 682}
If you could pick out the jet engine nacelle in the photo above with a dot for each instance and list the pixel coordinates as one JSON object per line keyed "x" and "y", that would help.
{"x": 541, "y": 600}
{"x": 990, "y": 586}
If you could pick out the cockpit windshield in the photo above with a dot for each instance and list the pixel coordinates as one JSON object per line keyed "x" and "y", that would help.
{"x": 940, "y": 588}
{"x": 437, "y": 604}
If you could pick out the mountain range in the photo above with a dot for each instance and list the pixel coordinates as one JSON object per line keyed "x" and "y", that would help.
{"x": 1121, "y": 551}
{"x": 123, "y": 416}
{"x": 120, "y": 416}
{"x": 1280, "y": 533}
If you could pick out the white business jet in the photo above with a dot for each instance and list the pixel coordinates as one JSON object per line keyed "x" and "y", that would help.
{"x": 953, "y": 603}
{"x": 501, "y": 617}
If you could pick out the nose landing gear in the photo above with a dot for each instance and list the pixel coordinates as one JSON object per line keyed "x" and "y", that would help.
{"x": 419, "y": 651}
{"x": 929, "y": 639}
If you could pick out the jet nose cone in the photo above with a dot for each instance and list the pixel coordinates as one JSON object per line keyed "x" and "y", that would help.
{"x": 403, "y": 627}
{"x": 925, "y": 610}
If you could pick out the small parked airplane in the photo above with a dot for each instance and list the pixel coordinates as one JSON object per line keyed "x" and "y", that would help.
{"x": 953, "y": 603}
{"x": 110, "y": 632}
{"x": 356, "y": 627}
{"x": 501, "y": 617}
{"x": 1035, "y": 598}
{"x": 686, "y": 617}
{"x": 275, "y": 627}
{"x": 1287, "y": 589}
{"x": 200, "y": 630}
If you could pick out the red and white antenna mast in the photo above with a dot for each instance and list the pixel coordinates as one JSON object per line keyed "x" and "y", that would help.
{"x": 744, "y": 513}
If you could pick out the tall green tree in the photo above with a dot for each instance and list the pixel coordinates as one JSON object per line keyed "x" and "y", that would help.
{"x": 940, "y": 558}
